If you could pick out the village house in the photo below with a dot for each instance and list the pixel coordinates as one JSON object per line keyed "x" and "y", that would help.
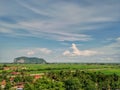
{"x": 20, "y": 86}
{"x": 15, "y": 73}
{"x": 6, "y": 68}
{"x": 3, "y": 84}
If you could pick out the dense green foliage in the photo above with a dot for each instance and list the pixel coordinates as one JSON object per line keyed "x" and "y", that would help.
{"x": 67, "y": 80}
{"x": 63, "y": 76}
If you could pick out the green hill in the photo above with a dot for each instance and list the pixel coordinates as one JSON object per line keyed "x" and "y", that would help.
{"x": 29, "y": 60}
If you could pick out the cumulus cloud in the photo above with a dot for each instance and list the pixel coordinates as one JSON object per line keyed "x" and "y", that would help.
{"x": 77, "y": 52}
{"x": 67, "y": 52}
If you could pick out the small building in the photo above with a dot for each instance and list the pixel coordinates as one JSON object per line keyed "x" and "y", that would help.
{"x": 6, "y": 68}
{"x": 15, "y": 73}
{"x": 3, "y": 84}
{"x": 11, "y": 79}
{"x": 37, "y": 76}
{"x": 20, "y": 86}
{"x": 13, "y": 68}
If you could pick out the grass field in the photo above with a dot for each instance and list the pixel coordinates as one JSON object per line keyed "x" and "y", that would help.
{"x": 38, "y": 68}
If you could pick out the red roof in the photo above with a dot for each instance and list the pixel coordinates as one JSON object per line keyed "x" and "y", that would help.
{"x": 37, "y": 76}
{"x": 11, "y": 79}
{"x": 15, "y": 73}
{"x": 3, "y": 82}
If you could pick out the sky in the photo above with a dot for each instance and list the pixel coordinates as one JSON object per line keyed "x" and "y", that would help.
{"x": 84, "y": 31}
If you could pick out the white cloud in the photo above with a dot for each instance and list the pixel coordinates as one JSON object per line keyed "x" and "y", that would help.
{"x": 110, "y": 49}
{"x": 118, "y": 39}
{"x": 44, "y": 50}
{"x": 109, "y": 58}
{"x": 4, "y": 30}
{"x": 30, "y": 53}
{"x": 34, "y": 9}
{"x": 77, "y": 52}
{"x": 53, "y": 30}
{"x": 62, "y": 21}
{"x": 34, "y": 51}
{"x": 67, "y": 52}
{"x": 56, "y": 22}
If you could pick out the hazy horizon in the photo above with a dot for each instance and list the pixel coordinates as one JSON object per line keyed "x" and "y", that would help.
{"x": 85, "y": 31}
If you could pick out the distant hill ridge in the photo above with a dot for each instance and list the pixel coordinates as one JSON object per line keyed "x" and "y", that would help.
{"x": 29, "y": 60}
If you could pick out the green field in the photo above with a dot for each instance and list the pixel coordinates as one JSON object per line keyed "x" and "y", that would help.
{"x": 38, "y": 68}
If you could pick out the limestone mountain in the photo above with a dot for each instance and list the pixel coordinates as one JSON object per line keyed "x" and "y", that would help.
{"x": 29, "y": 60}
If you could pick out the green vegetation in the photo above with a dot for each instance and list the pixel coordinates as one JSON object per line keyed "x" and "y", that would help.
{"x": 61, "y": 76}
{"x": 38, "y": 68}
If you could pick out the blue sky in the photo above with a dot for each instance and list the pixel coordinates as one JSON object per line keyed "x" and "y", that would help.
{"x": 60, "y": 30}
